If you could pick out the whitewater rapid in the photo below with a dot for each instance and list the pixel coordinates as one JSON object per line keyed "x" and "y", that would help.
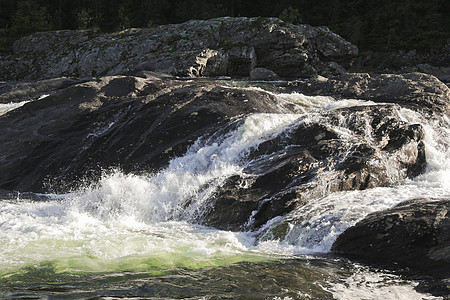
{"x": 145, "y": 223}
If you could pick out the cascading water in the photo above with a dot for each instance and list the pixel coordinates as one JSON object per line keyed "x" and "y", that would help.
{"x": 147, "y": 224}
{"x": 4, "y": 108}
{"x": 317, "y": 225}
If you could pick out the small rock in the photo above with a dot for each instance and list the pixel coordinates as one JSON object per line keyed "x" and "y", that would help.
{"x": 263, "y": 74}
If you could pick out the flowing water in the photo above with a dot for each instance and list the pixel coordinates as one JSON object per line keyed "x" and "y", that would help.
{"x": 6, "y": 107}
{"x": 132, "y": 236}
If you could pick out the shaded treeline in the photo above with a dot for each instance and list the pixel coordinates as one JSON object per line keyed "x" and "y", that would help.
{"x": 383, "y": 25}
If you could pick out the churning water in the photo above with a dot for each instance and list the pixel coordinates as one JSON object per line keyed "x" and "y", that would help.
{"x": 134, "y": 236}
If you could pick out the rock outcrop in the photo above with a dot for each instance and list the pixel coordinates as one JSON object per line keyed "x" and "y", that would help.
{"x": 140, "y": 123}
{"x": 414, "y": 234}
{"x": 435, "y": 62}
{"x": 314, "y": 159}
{"x": 413, "y": 90}
{"x": 135, "y": 123}
{"x": 217, "y": 47}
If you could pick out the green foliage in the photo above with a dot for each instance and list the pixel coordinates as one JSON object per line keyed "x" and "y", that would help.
{"x": 123, "y": 20}
{"x": 291, "y": 15}
{"x": 29, "y": 17}
{"x": 384, "y": 25}
{"x": 84, "y": 19}
{"x": 5, "y": 40}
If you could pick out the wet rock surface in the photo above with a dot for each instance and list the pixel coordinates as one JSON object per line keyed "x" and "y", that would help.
{"x": 414, "y": 234}
{"x": 413, "y": 90}
{"x": 217, "y": 47}
{"x": 313, "y": 159}
{"x": 134, "y": 123}
{"x": 139, "y": 123}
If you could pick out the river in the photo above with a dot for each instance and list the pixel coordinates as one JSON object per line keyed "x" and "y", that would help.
{"x": 133, "y": 236}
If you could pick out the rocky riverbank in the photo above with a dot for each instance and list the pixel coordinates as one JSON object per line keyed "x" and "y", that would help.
{"x": 61, "y": 132}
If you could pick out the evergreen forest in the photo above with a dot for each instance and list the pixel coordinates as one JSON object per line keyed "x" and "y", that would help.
{"x": 383, "y": 25}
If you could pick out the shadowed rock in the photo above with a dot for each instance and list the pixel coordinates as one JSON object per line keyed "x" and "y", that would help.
{"x": 413, "y": 234}
{"x": 134, "y": 123}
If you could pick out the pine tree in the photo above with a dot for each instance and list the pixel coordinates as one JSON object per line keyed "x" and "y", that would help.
{"x": 84, "y": 19}
{"x": 123, "y": 20}
{"x": 291, "y": 15}
{"x": 29, "y": 17}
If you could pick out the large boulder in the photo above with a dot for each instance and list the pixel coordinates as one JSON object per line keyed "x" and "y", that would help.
{"x": 263, "y": 74}
{"x": 218, "y": 47}
{"x": 414, "y": 234}
{"x": 135, "y": 123}
{"x": 140, "y": 123}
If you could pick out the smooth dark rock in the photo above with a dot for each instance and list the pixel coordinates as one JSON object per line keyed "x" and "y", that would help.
{"x": 217, "y": 47}
{"x": 31, "y": 90}
{"x": 414, "y": 234}
{"x": 133, "y": 123}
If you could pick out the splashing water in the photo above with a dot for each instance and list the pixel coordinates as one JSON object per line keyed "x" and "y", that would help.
{"x": 317, "y": 224}
{"x": 129, "y": 215}
{"x": 131, "y": 223}
{"x": 4, "y": 108}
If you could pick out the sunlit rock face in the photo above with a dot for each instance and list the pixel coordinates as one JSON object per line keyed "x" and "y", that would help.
{"x": 217, "y": 47}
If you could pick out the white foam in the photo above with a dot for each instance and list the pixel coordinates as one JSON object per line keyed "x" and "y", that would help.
{"x": 4, "y": 108}
{"x": 370, "y": 285}
{"x": 78, "y": 242}
{"x": 314, "y": 227}
{"x": 138, "y": 216}
{"x": 131, "y": 222}
{"x": 43, "y": 96}
{"x": 166, "y": 195}
{"x": 310, "y": 104}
